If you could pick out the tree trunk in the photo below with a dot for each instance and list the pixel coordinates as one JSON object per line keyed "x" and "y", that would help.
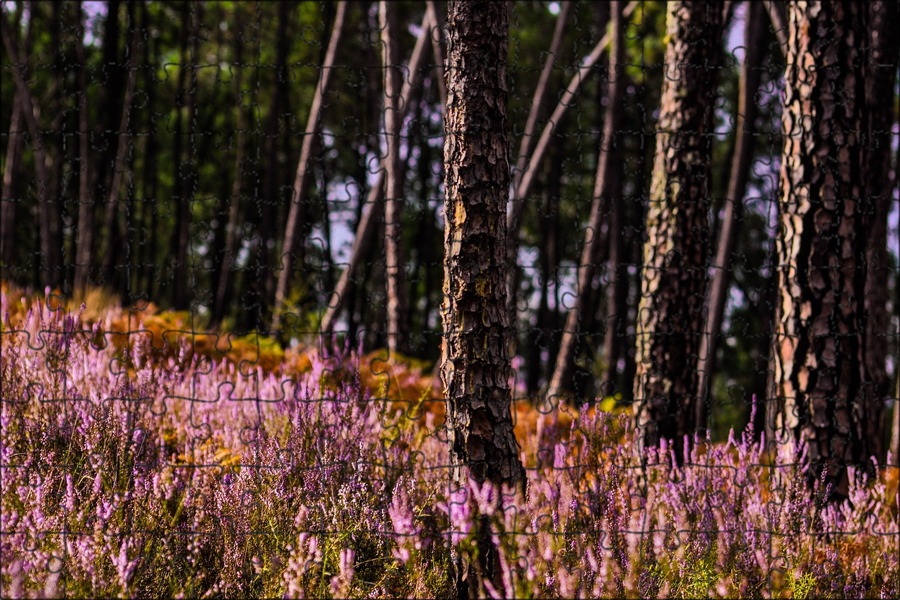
{"x": 820, "y": 366}
{"x": 301, "y": 179}
{"x": 476, "y": 369}
{"x": 670, "y": 314}
{"x": 150, "y": 179}
{"x": 111, "y": 257}
{"x": 230, "y": 250}
{"x": 437, "y": 47}
{"x": 50, "y": 245}
{"x": 737, "y": 186}
{"x": 85, "y": 241}
{"x": 181, "y": 193}
{"x": 529, "y": 172}
{"x": 14, "y": 144}
{"x": 880, "y": 78}
{"x": 365, "y": 231}
{"x": 561, "y": 381}
{"x": 617, "y": 287}
{"x": 397, "y": 332}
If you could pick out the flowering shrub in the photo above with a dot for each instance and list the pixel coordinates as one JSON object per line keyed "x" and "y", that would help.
{"x": 125, "y": 473}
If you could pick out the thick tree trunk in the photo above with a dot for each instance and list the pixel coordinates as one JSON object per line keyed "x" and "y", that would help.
{"x": 737, "y": 186}
{"x": 820, "y": 345}
{"x": 476, "y": 369}
{"x": 881, "y": 75}
{"x": 670, "y": 314}
{"x": 301, "y": 179}
{"x": 397, "y": 330}
{"x": 365, "y": 230}
{"x": 561, "y": 381}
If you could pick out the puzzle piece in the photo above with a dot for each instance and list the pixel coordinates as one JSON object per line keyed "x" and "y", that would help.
{"x": 163, "y": 434}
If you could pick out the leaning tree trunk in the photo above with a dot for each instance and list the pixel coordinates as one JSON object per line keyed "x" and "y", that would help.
{"x": 670, "y": 314}
{"x": 734, "y": 201}
{"x": 561, "y": 380}
{"x": 820, "y": 340}
{"x": 304, "y": 172}
{"x": 476, "y": 367}
{"x": 881, "y": 75}
{"x": 365, "y": 230}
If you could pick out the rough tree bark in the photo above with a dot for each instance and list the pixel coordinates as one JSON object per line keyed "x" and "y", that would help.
{"x": 820, "y": 363}
{"x": 737, "y": 185}
{"x": 881, "y": 75}
{"x": 365, "y": 231}
{"x": 560, "y": 382}
{"x": 397, "y": 330}
{"x": 301, "y": 179}
{"x": 670, "y": 314}
{"x": 476, "y": 367}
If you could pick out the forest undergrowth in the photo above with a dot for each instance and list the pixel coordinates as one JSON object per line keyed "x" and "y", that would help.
{"x": 142, "y": 459}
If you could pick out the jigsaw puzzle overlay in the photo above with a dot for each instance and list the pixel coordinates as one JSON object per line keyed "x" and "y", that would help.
{"x": 449, "y": 299}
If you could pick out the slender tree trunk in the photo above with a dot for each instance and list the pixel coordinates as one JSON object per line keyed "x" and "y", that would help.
{"x": 670, "y": 314}
{"x": 397, "y": 332}
{"x": 228, "y": 259}
{"x": 476, "y": 369}
{"x": 881, "y": 76}
{"x": 111, "y": 258}
{"x": 820, "y": 366}
{"x": 437, "y": 47}
{"x": 301, "y": 179}
{"x": 734, "y": 199}
{"x": 85, "y": 241}
{"x": 365, "y": 231}
{"x": 561, "y": 380}
{"x": 182, "y": 192}
{"x": 778, "y": 18}
{"x": 49, "y": 242}
{"x": 11, "y": 166}
{"x": 150, "y": 178}
{"x": 617, "y": 288}
{"x": 524, "y": 183}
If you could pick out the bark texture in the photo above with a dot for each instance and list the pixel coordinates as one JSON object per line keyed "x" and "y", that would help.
{"x": 820, "y": 366}
{"x": 476, "y": 367}
{"x": 670, "y": 314}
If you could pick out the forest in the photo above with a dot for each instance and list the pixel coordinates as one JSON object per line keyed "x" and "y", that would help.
{"x": 450, "y": 299}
